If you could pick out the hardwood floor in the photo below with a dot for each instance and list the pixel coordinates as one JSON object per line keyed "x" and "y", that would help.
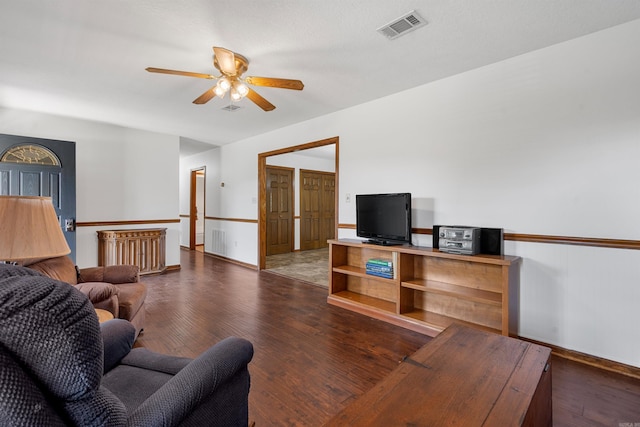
{"x": 311, "y": 359}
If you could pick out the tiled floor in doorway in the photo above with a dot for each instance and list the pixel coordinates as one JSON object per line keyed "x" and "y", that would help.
{"x": 310, "y": 266}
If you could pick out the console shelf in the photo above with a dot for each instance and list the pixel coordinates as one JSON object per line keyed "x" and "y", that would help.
{"x": 360, "y": 272}
{"x": 430, "y": 289}
{"x": 440, "y": 322}
{"x": 486, "y": 297}
{"x": 366, "y": 301}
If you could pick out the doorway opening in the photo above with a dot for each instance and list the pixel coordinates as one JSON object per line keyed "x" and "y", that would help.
{"x": 197, "y": 209}
{"x": 312, "y": 222}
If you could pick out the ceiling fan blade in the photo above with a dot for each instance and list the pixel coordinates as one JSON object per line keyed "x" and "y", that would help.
{"x": 205, "y": 97}
{"x": 260, "y": 101}
{"x": 273, "y": 82}
{"x": 179, "y": 73}
{"x": 226, "y": 60}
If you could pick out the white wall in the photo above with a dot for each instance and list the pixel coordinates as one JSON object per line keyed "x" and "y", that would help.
{"x": 121, "y": 175}
{"x": 210, "y": 160}
{"x": 543, "y": 143}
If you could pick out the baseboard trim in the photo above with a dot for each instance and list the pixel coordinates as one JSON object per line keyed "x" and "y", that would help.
{"x": 168, "y": 268}
{"x": 233, "y": 261}
{"x": 587, "y": 359}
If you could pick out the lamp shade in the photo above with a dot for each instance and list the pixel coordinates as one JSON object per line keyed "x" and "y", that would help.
{"x": 29, "y": 229}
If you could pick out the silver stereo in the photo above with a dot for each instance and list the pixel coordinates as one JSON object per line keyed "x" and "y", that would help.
{"x": 459, "y": 240}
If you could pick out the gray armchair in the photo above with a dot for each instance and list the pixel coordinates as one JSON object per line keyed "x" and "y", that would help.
{"x": 59, "y": 367}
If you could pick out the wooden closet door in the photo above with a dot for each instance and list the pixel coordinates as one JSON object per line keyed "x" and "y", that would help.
{"x": 279, "y": 210}
{"x": 317, "y": 209}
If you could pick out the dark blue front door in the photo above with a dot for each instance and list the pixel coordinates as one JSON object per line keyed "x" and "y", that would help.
{"x": 42, "y": 167}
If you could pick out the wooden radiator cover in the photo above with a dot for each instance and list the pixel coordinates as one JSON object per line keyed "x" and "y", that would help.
{"x": 145, "y": 248}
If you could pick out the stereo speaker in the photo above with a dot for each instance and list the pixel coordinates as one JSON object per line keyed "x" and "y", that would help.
{"x": 491, "y": 241}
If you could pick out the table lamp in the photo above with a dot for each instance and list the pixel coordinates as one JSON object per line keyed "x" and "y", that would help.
{"x": 29, "y": 229}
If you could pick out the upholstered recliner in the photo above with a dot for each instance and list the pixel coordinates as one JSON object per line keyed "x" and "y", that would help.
{"x": 115, "y": 288}
{"x": 52, "y": 364}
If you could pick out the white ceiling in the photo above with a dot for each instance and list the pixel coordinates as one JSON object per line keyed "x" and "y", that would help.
{"x": 87, "y": 58}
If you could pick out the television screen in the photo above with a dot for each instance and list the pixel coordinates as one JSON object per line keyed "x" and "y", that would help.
{"x": 384, "y": 218}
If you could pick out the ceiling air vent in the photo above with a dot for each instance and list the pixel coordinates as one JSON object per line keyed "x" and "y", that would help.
{"x": 403, "y": 25}
{"x": 231, "y": 108}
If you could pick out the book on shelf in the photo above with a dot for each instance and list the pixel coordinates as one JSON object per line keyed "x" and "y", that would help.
{"x": 386, "y": 275}
{"x": 376, "y": 267}
{"x": 380, "y": 267}
{"x": 380, "y": 261}
{"x": 380, "y": 271}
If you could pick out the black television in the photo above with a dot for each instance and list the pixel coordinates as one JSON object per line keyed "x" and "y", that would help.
{"x": 384, "y": 219}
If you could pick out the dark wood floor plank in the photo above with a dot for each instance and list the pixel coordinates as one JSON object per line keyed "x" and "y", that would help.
{"x": 312, "y": 359}
{"x": 587, "y": 396}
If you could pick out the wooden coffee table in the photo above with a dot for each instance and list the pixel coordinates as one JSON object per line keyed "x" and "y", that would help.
{"x": 103, "y": 315}
{"x": 464, "y": 377}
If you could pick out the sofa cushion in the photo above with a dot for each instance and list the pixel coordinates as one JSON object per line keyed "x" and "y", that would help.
{"x": 125, "y": 273}
{"x": 97, "y": 291}
{"x": 134, "y": 385}
{"x": 59, "y": 268}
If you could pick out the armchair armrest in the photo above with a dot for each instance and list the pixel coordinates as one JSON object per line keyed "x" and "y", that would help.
{"x": 110, "y": 273}
{"x": 117, "y": 340}
{"x": 214, "y": 387}
{"x": 97, "y": 291}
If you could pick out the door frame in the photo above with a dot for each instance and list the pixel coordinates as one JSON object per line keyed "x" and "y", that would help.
{"x": 193, "y": 198}
{"x": 262, "y": 190}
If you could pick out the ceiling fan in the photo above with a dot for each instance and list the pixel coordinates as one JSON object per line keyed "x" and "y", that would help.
{"x": 232, "y": 66}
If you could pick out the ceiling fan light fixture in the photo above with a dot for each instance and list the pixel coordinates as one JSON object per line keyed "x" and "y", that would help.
{"x": 224, "y": 84}
{"x": 235, "y": 95}
{"x": 219, "y": 91}
{"x": 232, "y": 66}
{"x": 241, "y": 88}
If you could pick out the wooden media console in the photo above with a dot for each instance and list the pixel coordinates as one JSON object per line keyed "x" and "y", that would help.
{"x": 429, "y": 289}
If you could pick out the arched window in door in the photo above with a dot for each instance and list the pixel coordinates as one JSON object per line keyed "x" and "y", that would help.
{"x": 30, "y": 154}
{"x": 36, "y": 171}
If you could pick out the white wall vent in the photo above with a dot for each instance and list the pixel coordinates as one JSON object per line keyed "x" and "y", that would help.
{"x": 219, "y": 239}
{"x": 402, "y": 25}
